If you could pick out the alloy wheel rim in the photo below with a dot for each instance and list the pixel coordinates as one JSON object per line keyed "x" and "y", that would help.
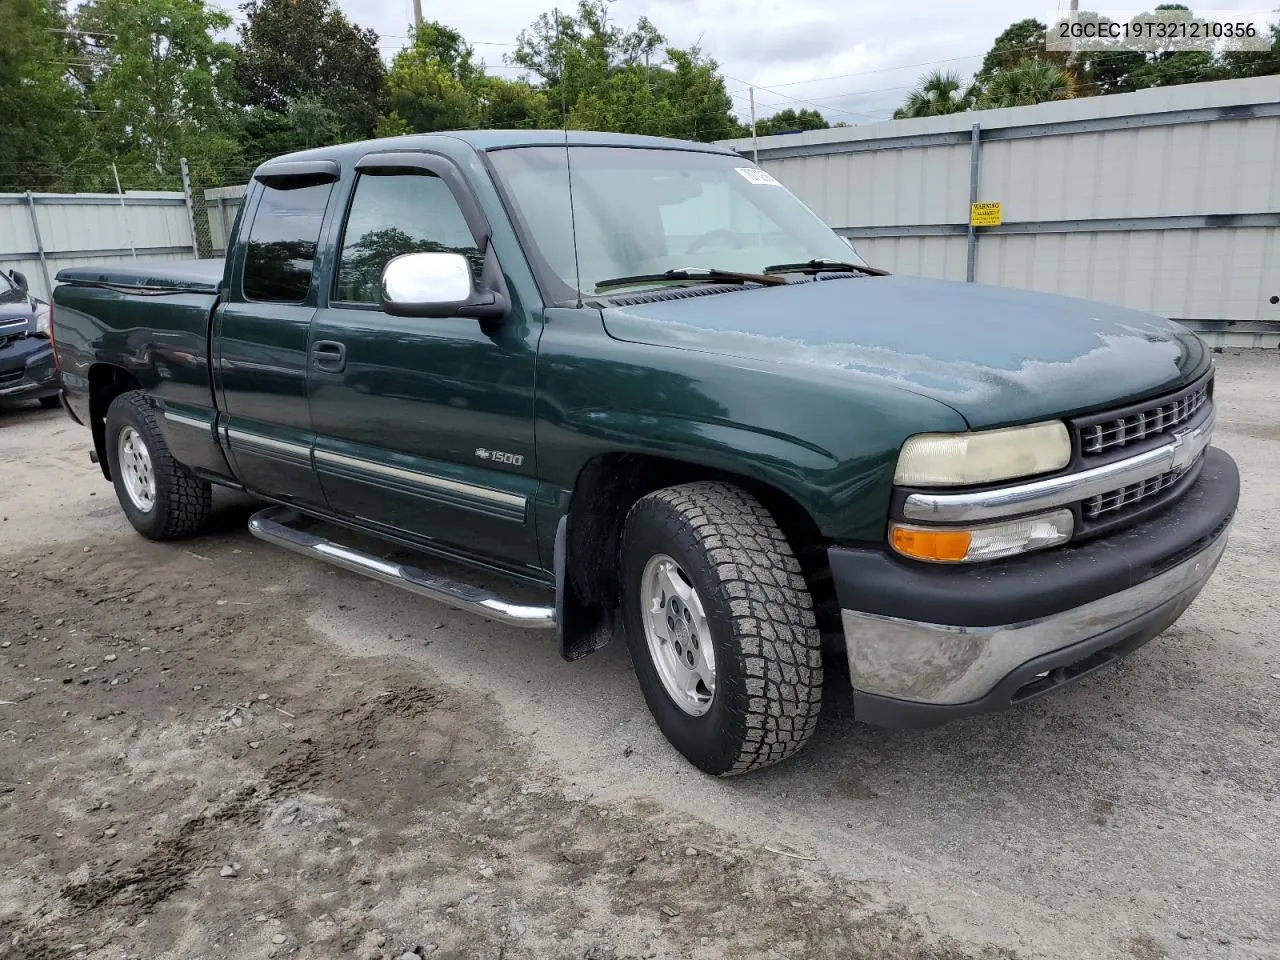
{"x": 678, "y": 636}
{"x": 135, "y": 469}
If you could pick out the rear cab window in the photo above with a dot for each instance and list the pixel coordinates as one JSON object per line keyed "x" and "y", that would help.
{"x": 280, "y": 250}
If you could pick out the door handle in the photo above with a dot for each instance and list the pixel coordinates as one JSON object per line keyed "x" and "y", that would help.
{"x": 329, "y": 355}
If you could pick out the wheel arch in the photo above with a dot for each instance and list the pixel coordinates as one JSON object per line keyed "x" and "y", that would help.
{"x": 608, "y": 486}
{"x": 106, "y": 382}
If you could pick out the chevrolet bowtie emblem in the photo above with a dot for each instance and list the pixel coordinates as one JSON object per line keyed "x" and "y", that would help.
{"x": 1184, "y": 452}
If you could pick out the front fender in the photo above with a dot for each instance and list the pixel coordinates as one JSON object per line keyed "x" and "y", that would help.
{"x": 827, "y": 440}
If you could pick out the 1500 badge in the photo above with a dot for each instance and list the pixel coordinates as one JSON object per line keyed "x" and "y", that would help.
{"x": 497, "y": 456}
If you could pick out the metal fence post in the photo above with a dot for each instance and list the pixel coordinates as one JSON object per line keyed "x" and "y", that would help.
{"x": 971, "y": 242}
{"x": 124, "y": 211}
{"x": 35, "y": 229}
{"x": 191, "y": 210}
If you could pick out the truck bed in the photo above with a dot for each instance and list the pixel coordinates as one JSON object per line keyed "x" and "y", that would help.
{"x": 194, "y": 276}
{"x": 147, "y": 322}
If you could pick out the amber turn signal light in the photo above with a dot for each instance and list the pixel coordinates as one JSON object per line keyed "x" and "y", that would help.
{"x": 947, "y": 546}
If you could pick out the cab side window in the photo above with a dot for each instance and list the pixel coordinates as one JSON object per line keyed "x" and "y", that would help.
{"x": 281, "y": 249}
{"x": 395, "y": 212}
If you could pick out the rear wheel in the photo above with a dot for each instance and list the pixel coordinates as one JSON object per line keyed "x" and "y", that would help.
{"x": 721, "y": 628}
{"x": 161, "y": 499}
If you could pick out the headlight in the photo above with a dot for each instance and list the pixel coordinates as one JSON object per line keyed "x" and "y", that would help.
{"x": 955, "y": 459}
{"x": 989, "y": 541}
{"x": 42, "y": 321}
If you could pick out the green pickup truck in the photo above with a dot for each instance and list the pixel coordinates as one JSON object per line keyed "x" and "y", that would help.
{"x": 642, "y": 376}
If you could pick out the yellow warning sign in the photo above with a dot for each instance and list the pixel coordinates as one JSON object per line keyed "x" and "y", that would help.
{"x": 985, "y": 214}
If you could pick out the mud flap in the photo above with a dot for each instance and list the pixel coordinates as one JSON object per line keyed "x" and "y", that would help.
{"x": 581, "y": 628}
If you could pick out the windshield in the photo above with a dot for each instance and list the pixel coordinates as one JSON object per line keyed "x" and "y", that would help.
{"x": 646, "y": 211}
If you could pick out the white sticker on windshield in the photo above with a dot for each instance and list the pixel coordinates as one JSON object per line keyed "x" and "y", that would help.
{"x": 756, "y": 175}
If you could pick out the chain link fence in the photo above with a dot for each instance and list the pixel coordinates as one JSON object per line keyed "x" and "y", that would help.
{"x": 212, "y": 212}
{"x": 221, "y": 206}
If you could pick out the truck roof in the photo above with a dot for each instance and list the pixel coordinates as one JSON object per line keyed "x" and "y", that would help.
{"x": 499, "y": 140}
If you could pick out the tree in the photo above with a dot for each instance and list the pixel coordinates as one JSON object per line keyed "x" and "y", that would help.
{"x": 1114, "y": 69}
{"x": 1020, "y": 41}
{"x": 1255, "y": 63}
{"x": 47, "y": 136}
{"x": 306, "y": 122}
{"x": 426, "y": 95}
{"x": 436, "y": 84}
{"x": 938, "y": 93}
{"x": 1168, "y": 67}
{"x": 624, "y": 79}
{"x": 1032, "y": 81}
{"x": 790, "y": 121}
{"x": 513, "y": 103}
{"x": 161, "y": 83}
{"x": 292, "y": 50}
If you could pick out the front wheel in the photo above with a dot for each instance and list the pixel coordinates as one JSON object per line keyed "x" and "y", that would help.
{"x": 721, "y": 627}
{"x": 50, "y": 403}
{"x": 161, "y": 499}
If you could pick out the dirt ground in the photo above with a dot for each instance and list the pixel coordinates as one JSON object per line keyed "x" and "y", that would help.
{"x": 217, "y": 749}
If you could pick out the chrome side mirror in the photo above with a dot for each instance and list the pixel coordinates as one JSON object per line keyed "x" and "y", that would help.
{"x": 435, "y": 285}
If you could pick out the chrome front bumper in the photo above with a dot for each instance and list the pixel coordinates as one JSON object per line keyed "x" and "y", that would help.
{"x": 949, "y": 666}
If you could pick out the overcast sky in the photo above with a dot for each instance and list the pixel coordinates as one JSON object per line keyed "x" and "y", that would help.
{"x": 852, "y": 59}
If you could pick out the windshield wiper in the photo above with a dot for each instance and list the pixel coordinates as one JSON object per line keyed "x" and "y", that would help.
{"x": 700, "y": 274}
{"x": 823, "y": 265}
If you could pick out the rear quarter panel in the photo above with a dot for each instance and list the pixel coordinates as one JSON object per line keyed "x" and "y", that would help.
{"x": 159, "y": 341}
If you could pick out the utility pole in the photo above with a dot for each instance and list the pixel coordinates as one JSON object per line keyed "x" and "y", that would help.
{"x": 755, "y": 144}
{"x": 417, "y": 13}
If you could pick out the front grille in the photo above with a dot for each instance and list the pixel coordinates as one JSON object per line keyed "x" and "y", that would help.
{"x": 13, "y": 376}
{"x": 1134, "y": 493}
{"x": 1105, "y": 433}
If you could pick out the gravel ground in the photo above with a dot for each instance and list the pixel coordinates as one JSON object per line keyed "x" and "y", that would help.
{"x": 217, "y": 749}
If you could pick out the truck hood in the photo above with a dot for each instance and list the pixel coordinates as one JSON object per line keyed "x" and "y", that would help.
{"x": 995, "y": 355}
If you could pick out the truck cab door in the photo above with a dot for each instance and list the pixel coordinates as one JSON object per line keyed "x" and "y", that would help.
{"x": 424, "y": 426}
{"x": 261, "y": 333}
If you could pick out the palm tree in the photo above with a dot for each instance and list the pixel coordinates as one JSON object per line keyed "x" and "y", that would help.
{"x": 938, "y": 93}
{"x": 1031, "y": 81}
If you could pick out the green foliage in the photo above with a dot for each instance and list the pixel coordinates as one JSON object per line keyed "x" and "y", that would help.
{"x": 295, "y": 51}
{"x": 1255, "y": 63}
{"x": 1020, "y": 41}
{"x": 47, "y": 134}
{"x": 1019, "y": 70}
{"x": 601, "y": 76}
{"x": 306, "y": 122}
{"x": 436, "y": 84}
{"x": 938, "y": 93}
{"x": 789, "y": 121}
{"x": 1031, "y": 81}
{"x": 507, "y": 104}
{"x": 160, "y": 82}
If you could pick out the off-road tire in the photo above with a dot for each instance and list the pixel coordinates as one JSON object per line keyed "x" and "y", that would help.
{"x": 767, "y": 646}
{"x": 183, "y": 501}
{"x": 51, "y": 403}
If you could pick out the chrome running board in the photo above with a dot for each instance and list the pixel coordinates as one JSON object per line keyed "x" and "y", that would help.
{"x": 272, "y": 525}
